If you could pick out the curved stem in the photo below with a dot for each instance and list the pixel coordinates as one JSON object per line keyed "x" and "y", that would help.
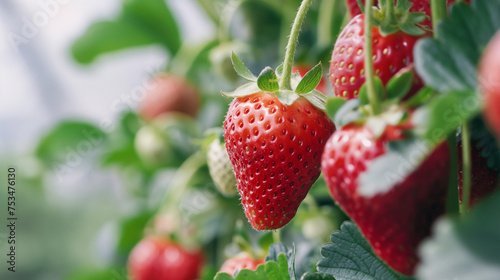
{"x": 452, "y": 201}
{"x": 370, "y": 84}
{"x": 466, "y": 168}
{"x": 326, "y": 20}
{"x": 286, "y": 80}
{"x": 438, "y": 8}
{"x": 183, "y": 62}
{"x": 208, "y": 7}
{"x": 180, "y": 182}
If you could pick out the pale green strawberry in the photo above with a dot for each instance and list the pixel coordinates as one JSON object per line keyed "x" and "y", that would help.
{"x": 220, "y": 168}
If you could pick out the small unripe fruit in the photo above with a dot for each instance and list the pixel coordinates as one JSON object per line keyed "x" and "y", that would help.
{"x": 167, "y": 141}
{"x": 169, "y": 93}
{"x": 220, "y": 168}
{"x": 152, "y": 146}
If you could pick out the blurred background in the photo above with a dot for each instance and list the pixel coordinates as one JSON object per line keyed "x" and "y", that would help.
{"x": 74, "y": 79}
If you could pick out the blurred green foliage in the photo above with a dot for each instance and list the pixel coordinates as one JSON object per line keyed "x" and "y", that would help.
{"x": 257, "y": 31}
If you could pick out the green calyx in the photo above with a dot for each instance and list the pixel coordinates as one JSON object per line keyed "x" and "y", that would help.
{"x": 393, "y": 110}
{"x": 282, "y": 83}
{"x": 390, "y": 18}
{"x": 269, "y": 79}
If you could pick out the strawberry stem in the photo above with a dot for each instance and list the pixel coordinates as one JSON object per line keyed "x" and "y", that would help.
{"x": 452, "y": 198}
{"x": 286, "y": 81}
{"x": 179, "y": 184}
{"x": 277, "y": 235}
{"x": 438, "y": 9}
{"x": 370, "y": 84}
{"x": 389, "y": 11}
{"x": 466, "y": 168}
{"x": 329, "y": 19}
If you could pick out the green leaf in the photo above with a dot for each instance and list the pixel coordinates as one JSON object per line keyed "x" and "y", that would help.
{"x": 265, "y": 241}
{"x": 70, "y": 142}
{"x": 316, "y": 98}
{"x": 241, "y": 69}
{"x": 347, "y": 113}
{"x": 444, "y": 113}
{"x": 411, "y": 29}
{"x": 379, "y": 91}
{"x": 244, "y": 90}
{"x": 223, "y": 276}
{"x": 394, "y": 166}
{"x": 132, "y": 231}
{"x": 208, "y": 273}
{"x": 279, "y": 70}
{"x": 271, "y": 270}
{"x": 403, "y": 5}
{"x": 486, "y": 142}
{"x": 449, "y": 63}
{"x": 399, "y": 85}
{"x": 123, "y": 156}
{"x": 350, "y": 257}
{"x": 416, "y": 17}
{"x": 142, "y": 22}
{"x": 278, "y": 249}
{"x": 267, "y": 80}
{"x": 104, "y": 274}
{"x": 109, "y": 36}
{"x": 156, "y": 15}
{"x": 310, "y": 80}
{"x": 333, "y": 104}
{"x": 130, "y": 123}
{"x": 316, "y": 276}
{"x": 300, "y": 260}
{"x": 465, "y": 247}
{"x": 420, "y": 97}
{"x": 287, "y": 97}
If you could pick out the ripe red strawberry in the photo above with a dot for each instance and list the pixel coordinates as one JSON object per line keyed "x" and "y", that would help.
{"x": 239, "y": 262}
{"x": 276, "y": 151}
{"x": 391, "y": 54}
{"x": 489, "y": 79}
{"x": 160, "y": 259}
{"x": 484, "y": 180}
{"x": 394, "y": 222}
{"x": 169, "y": 93}
{"x": 418, "y": 6}
{"x": 303, "y": 69}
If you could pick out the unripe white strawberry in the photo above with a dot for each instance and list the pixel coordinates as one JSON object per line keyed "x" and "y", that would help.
{"x": 220, "y": 168}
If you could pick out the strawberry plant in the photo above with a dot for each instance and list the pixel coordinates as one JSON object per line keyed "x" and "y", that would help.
{"x": 394, "y": 36}
{"x": 392, "y": 176}
{"x": 275, "y": 132}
